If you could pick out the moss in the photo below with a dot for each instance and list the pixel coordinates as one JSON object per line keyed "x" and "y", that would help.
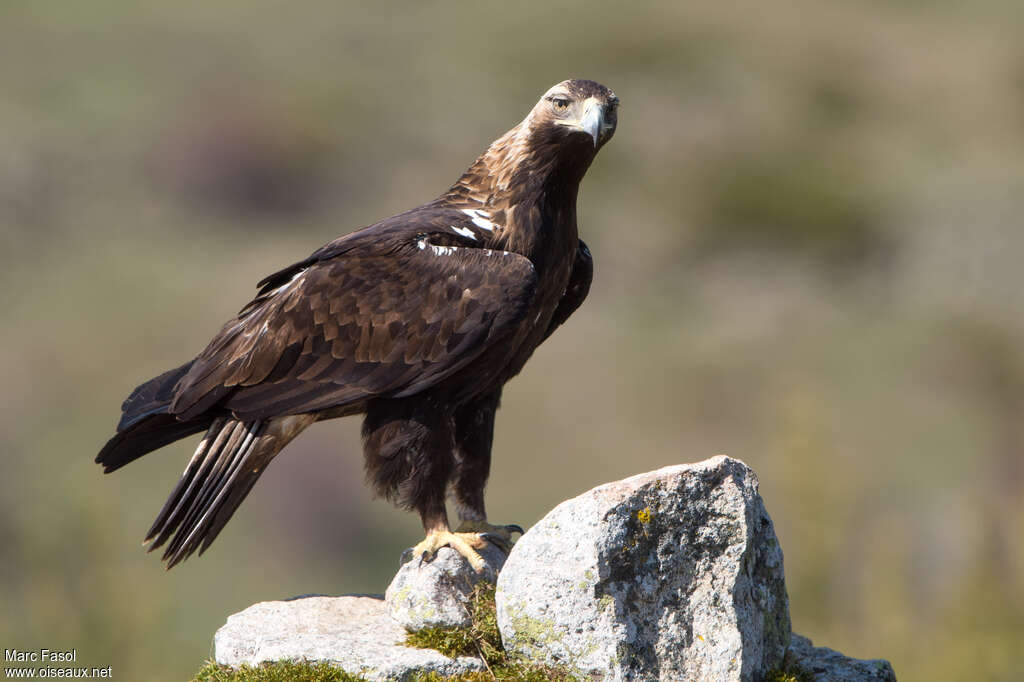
{"x": 520, "y": 673}
{"x": 280, "y": 671}
{"x": 789, "y": 672}
{"x": 451, "y": 642}
{"x": 482, "y": 639}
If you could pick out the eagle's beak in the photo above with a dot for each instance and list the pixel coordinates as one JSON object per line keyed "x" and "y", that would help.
{"x": 595, "y": 119}
{"x": 592, "y": 120}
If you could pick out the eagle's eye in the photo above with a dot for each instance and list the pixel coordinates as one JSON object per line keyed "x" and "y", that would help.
{"x": 560, "y": 103}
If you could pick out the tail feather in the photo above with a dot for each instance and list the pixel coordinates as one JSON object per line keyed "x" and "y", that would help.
{"x": 201, "y": 490}
{"x": 226, "y": 458}
{"x": 221, "y": 473}
{"x": 233, "y": 457}
{"x": 169, "y": 517}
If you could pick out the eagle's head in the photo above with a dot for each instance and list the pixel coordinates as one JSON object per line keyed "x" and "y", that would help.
{"x": 574, "y": 111}
{"x": 555, "y": 143}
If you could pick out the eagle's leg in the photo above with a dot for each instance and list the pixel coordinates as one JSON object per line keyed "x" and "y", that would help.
{"x": 408, "y": 447}
{"x": 474, "y": 435}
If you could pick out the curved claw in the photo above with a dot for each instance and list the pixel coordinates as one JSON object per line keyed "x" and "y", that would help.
{"x": 515, "y": 528}
{"x": 501, "y": 542}
{"x": 410, "y": 553}
{"x": 465, "y": 544}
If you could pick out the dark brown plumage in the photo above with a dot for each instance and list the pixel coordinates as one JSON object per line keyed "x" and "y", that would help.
{"x": 416, "y": 321}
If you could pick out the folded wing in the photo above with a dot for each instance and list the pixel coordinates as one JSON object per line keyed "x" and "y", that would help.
{"x": 384, "y": 319}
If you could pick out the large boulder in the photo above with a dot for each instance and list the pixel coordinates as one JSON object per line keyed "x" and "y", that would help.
{"x": 354, "y": 633}
{"x": 436, "y": 593}
{"x": 670, "y": 575}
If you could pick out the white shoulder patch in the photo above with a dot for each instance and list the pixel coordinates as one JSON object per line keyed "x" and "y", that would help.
{"x": 480, "y": 219}
{"x": 464, "y": 231}
{"x": 422, "y": 244}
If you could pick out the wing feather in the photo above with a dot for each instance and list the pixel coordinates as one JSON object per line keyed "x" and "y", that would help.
{"x": 377, "y": 320}
{"x": 577, "y": 289}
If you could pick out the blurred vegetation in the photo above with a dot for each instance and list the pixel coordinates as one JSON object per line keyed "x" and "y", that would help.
{"x": 808, "y": 243}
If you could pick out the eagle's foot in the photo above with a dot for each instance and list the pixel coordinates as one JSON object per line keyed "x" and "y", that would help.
{"x": 465, "y": 544}
{"x": 497, "y": 535}
{"x": 469, "y": 537}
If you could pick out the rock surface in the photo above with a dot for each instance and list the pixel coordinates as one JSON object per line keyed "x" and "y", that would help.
{"x": 436, "y": 593}
{"x": 354, "y": 633}
{"x": 670, "y": 575}
{"x": 827, "y": 665}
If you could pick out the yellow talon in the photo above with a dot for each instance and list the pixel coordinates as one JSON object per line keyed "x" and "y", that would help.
{"x": 465, "y": 544}
{"x": 469, "y": 537}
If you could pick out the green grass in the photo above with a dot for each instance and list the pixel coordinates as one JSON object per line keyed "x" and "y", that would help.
{"x": 483, "y": 640}
{"x": 280, "y": 671}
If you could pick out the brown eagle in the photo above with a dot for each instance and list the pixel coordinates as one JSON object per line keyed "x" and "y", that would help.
{"x": 416, "y": 322}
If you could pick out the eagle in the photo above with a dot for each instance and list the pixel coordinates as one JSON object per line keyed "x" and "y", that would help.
{"x": 415, "y": 322}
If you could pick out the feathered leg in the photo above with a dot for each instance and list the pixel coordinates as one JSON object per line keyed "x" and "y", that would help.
{"x": 474, "y": 436}
{"x": 409, "y": 446}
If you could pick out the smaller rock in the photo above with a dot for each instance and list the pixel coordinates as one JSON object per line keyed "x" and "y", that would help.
{"x": 436, "y": 593}
{"x": 828, "y": 665}
{"x": 354, "y": 633}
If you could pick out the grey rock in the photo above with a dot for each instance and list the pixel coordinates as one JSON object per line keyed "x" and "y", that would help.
{"x": 436, "y": 593}
{"x": 827, "y": 665}
{"x": 354, "y": 633}
{"x": 670, "y": 575}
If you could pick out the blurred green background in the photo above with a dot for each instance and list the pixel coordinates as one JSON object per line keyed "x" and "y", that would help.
{"x": 809, "y": 254}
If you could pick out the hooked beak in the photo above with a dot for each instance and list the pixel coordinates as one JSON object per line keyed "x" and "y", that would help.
{"x": 593, "y": 120}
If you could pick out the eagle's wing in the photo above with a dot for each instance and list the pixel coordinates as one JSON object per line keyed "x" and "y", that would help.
{"x": 378, "y": 319}
{"x": 577, "y": 289}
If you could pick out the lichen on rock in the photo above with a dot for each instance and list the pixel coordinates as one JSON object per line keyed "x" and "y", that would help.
{"x": 674, "y": 574}
{"x": 437, "y": 593}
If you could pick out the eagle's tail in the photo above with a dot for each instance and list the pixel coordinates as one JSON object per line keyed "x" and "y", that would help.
{"x": 220, "y": 474}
